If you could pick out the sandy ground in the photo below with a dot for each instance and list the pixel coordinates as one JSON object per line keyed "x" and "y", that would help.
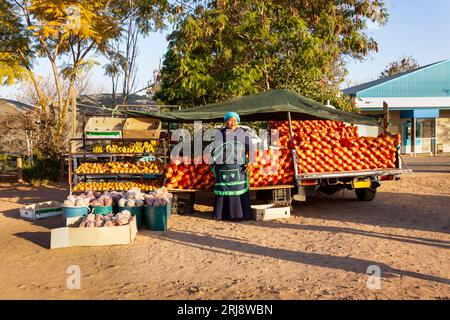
{"x": 321, "y": 252}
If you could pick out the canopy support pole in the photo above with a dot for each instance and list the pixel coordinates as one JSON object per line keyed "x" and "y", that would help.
{"x": 291, "y": 138}
{"x": 301, "y": 194}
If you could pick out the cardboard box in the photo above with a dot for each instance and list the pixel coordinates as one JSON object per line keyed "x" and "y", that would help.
{"x": 73, "y": 222}
{"x": 104, "y": 127}
{"x": 72, "y": 236}
{"x": 141, "y": 128}
{"x": 41, "y": 210}
{"x": 270, "y": 212}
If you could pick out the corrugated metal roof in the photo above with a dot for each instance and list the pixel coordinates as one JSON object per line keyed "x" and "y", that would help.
{"x": 432, "y": 80}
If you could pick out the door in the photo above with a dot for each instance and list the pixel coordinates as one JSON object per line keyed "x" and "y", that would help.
{"x": 419, "y": 131}
{"x": 406, "y": 134}
{"x": 426, "y": 135}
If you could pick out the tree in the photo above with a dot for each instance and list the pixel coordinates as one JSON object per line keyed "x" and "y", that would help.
{"x": 122, "y": 55}
{"x": 405, "y": 63}
{"x": 15, "y": 46}
{"x": 231, "y": 48}
{"x": 66, "y": 33}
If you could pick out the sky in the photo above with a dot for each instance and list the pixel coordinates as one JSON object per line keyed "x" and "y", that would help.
{"x": 415, "y": 28}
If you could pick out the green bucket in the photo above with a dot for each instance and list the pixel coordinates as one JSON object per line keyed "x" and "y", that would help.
{"x": 104, "y": 210}
{"x": 156, "y": 217}
{"x": 135, "y": 211}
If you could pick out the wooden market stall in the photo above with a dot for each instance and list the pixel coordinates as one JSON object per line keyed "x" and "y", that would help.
{"x": 277, "y": 105}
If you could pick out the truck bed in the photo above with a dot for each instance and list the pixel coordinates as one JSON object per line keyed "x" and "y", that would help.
{"x": 351, "y": 174}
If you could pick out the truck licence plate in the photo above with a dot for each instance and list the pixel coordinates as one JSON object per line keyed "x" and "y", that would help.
{"x": 363, "y": 184}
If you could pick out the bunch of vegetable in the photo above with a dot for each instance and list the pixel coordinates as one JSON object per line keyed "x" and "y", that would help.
{"x": 160, "y": 197}
{"x": 82, "y": 200}
{"x": 104, "y": 200}
{"x": 132, "y": 198}
{"x": 110, "y": 220}
{"x": 116, "y": 196}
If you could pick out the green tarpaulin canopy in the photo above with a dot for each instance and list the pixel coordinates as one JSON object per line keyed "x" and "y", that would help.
{"x": 265, "y": 106}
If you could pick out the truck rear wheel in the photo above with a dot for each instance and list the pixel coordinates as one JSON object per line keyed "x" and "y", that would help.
{"x": 367, "y": 194}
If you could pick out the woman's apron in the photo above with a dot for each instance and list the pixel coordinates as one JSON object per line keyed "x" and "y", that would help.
{"x": 231, "y": 178}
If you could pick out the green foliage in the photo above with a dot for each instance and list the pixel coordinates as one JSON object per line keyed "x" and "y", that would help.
{"x": 233, "y": 48}
{"x": 39, "y": 182}
{"x": 67, "y": 31}
{"x": 5, "y": 164}
{"x": 405, "y": 63}
{"x": 43, "y": 168}
{"x": 15, "y": 51}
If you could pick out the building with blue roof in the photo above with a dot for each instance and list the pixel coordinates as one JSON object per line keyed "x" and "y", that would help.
{"x": 419, "y": 105}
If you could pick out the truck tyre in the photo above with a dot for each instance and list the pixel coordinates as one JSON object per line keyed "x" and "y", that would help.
{"x": 367, "y": 194}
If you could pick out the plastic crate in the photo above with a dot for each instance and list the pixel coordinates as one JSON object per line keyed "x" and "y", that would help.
{"x": 282, "y": 197}
{"x": 183, "y": 203}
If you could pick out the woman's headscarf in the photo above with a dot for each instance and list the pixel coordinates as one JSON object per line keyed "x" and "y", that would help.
{"x": 232, "y": 114}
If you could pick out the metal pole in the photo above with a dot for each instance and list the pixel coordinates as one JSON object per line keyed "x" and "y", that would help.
{"x": 386, "y": 119}
{"x": 435, "y": 137}
{"x": 301, "y": 195}
{"x": 294, "y": 152}
{"x": 291, "y": 138}
{"x": 413, "y": 137}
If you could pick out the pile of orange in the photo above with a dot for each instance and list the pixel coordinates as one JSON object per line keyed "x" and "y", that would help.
{"x": 189, "y": 176}
{"x": 120, "y": 167}
{"x": 117, "y": 186}
{"x": 332, "y": 146}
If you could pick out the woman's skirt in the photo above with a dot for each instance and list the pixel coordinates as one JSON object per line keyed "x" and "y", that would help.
{"x": 232, "y": 207}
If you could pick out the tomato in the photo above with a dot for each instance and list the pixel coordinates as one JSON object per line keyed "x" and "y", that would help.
{"x": 346, "y": 142}
{"x": 336, "y": 160}
{"x": 339, "y": 153}
{"x": 348, "y": 168}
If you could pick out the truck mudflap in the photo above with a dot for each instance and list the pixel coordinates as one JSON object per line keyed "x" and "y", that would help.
{"x": 351, "y": 174}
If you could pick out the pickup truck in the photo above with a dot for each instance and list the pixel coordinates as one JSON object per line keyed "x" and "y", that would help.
{"x": 364, "y": 182}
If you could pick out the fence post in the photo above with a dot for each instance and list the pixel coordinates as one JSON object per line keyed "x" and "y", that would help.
{"x": 19, "y": 169}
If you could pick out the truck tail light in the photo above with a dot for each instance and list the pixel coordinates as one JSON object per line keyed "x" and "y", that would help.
{"x": 308, "y": 183}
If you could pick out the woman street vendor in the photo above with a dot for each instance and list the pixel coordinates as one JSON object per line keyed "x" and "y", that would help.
{"x": 232, "y": 145}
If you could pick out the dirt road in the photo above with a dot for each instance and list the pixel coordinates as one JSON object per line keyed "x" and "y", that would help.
{"x": 322, "y": 252}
